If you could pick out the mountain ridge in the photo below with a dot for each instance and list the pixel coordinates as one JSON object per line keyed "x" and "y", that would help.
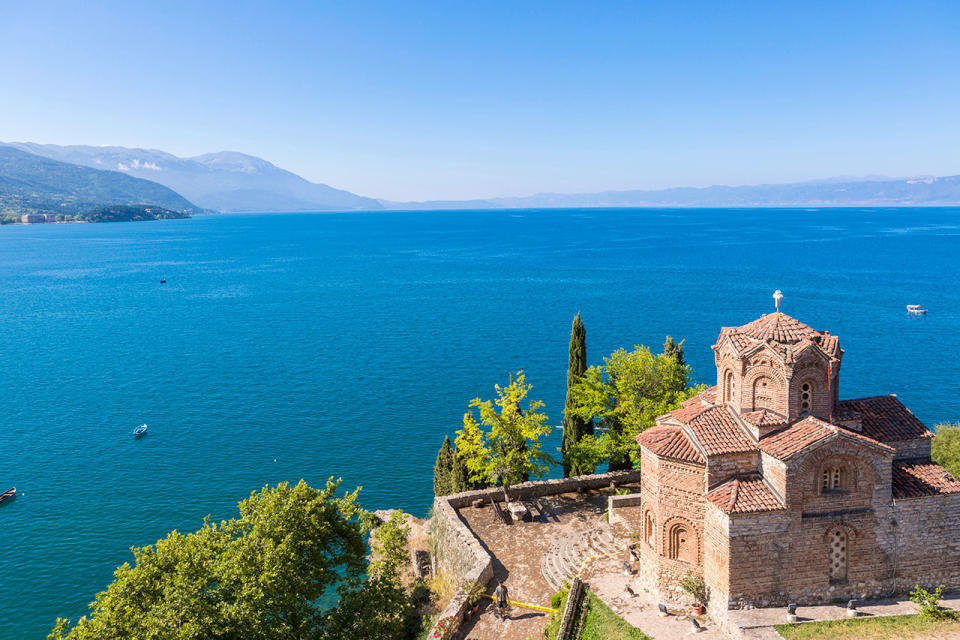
{"x": 34, "y": 184}
{"x": 869, "y": 191}
{"x": 225, "y": 180}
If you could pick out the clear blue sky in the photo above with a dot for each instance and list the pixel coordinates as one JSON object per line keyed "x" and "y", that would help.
{"x": 417, "y": 100}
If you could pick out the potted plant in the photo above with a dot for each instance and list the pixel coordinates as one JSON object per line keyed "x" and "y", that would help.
{"x": 696, "y": 588}
{"x": 472, "y": 592}
{"x": 445, "y": 628}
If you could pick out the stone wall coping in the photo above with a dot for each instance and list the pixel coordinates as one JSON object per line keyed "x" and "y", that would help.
{"x": 538, "y": 488}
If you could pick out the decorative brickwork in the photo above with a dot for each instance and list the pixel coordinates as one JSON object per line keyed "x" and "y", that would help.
{"x": 773, "y": 490}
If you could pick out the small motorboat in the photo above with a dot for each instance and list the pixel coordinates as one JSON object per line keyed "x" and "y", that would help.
{"x": 9, "y": 494}
{"x": 916, "y": 310}
{"x": 163, "y": 281}
{"x": 140, "y": 431}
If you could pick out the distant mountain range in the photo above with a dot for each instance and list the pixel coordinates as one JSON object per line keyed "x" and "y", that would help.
{"x": 231, "y": 181}
{"x": 829, "y": 192}
{"x": 33, "y": 184}
{"x": 225, "y": 181}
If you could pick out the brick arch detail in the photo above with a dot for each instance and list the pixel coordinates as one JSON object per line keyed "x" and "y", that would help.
{"x": 812, "y": 467}
{"x": 849, "y": 529}
{"x": 816, "y": 375}
{"x": 778, "y": 393}
{"x": 665, "y": 531}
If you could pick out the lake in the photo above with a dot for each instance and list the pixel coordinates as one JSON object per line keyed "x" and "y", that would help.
{"x": 314, "y": 345}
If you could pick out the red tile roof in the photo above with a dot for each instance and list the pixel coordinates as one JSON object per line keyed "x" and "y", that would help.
{"x": 718, "y": 432}
{"x": 918, "y": 478}
{"x": 745, "y": 494}
{"x": 787, "y": 335}
{"x": 764, "y": 418}
{"x": 684, "y": 414}
{"x": 670, "y": 442}
{"x": 883, "y": 418}
{"x": 785, "y": 444}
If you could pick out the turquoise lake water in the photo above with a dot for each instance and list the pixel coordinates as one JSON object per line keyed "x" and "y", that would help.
{"x": 306, "y": 346}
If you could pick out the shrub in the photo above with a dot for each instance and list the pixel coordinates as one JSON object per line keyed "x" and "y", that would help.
{"x": 929, "y": 603}
{"x": 695, "y": 587}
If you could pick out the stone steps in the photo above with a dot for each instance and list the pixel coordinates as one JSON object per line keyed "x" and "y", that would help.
{"x": 566, "y": 557}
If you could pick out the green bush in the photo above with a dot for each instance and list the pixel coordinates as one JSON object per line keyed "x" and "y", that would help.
{"x": 929, "y": 603}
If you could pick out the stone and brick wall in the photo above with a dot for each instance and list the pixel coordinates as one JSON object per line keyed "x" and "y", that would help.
{"x": 911, "y": 449}
{"x": 926, "y": 541}
{"x": 721, "y": 467}
{"x": 672, "y": 492}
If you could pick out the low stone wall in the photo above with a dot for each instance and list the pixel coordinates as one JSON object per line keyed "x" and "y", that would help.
{"x": 619, "y": 502}
{"x": 457, "y": 550}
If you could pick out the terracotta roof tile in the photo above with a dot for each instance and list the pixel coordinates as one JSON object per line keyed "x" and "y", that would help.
{"x": 788, "y": 336}
{"x": 745, "y": 494}
{"x": 670, "y": 442}
{"x": 764, "y": 418}
{"x": 883, "y": 418}
{"x": 683, "y": 415}
{"x": 918, "y": 478}
{"x": 718, "y": 432}
{"x": 809, "y": 431}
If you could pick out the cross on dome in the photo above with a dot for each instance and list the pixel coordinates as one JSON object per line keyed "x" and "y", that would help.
{"x": 777, "y": 297}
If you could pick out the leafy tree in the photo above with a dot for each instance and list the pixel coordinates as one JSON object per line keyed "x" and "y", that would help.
{"x": 259, "y": 576}
{"x": 574, "y": 425}
{"x": 510, "y": 451}
{"x": 946, "y": 447}
{"x": 381, "y": 608}
{"x": 626, "y": 395}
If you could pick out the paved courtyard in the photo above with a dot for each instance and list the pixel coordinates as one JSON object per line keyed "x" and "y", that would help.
{"x": 518, "y": 551}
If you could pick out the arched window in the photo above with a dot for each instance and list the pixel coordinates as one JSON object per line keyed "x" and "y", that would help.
{"x": 832, "y": 479}
{"x": 805, "y": 391}
{"x": 728, "y": 387}
{"x": 648, "y": 529}
{"x": 681, "y": 544}
{"x": 762, "y": 393}
{"x": 837, "y": 555}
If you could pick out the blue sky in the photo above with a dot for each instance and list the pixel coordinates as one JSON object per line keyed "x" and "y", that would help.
{"x": 439, "y": 100}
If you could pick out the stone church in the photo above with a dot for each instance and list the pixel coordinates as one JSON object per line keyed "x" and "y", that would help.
{"x": 773, "y": 490}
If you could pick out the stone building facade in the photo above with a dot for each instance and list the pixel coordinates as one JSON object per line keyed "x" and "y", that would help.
{"x": 773, "y": 490}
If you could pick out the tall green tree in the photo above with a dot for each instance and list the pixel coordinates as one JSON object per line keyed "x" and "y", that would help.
{"x": 509, "y": 451}
{"x": 259, "y": 576}
{"x": 443, "y": 469}
{"x": 574, "y": 425}
{"x": 449, "y": 472}
{"x": 946, "y": 447}
{"x": 625, "y": 395}
{"x": 671, "y": 348}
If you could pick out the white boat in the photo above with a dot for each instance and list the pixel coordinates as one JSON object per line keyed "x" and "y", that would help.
{"x": 140, "y": 431}
{"x": 916, "y": 310}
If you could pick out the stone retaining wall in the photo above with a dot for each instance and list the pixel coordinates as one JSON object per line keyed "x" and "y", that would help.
{"x": 457, "y": 550}
{"x": 619, "y": 502}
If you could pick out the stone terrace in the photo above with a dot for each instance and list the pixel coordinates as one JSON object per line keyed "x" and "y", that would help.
{"x": 522, "y": 552}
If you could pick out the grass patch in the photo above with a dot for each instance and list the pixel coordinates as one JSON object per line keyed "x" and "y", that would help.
{"x": 889, "y": 627}
{"x": 601, "y": 624}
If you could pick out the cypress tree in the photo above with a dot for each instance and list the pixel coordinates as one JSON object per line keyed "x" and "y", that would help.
{"x": 443, "y": 470}
{"x": 458, "y": 476}
{"x": 671, "y": 348}
{"x": 574, "y": 428}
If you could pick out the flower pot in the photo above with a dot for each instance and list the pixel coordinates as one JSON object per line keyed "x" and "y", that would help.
{"x": 697, "y": 609}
